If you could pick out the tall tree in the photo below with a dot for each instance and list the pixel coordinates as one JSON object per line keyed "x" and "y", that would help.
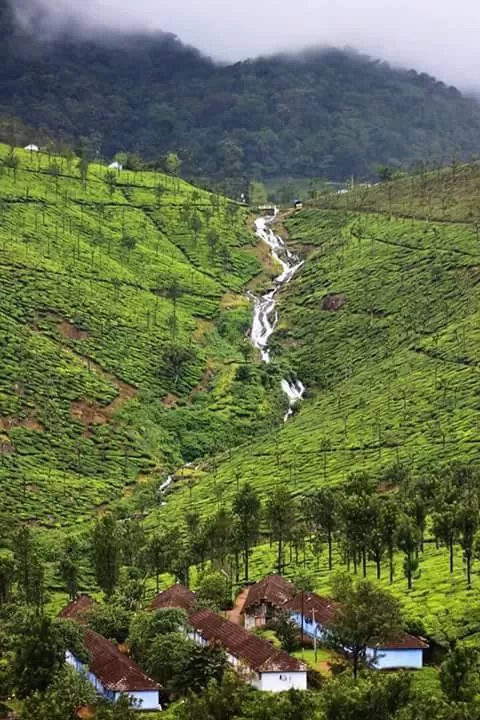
{"x": 39, "y": 655}
{"x": 7, "y": 575}
{"x": 389, "y": 520}
{"x": 281, "y": 516}
{"x": 68, "y": 567}
{"x": 248, "y": 509}
{"x": 460, "y": 674}
{"x": 106, "y": 554}
{"x": 29, "y": 571}
{"x": 365, "y": 616}
{"x": 172, "y": 163}
{"x": 407, "y": 541}
{"x": 467, "y": 526}
{"x": 322, "y": 508}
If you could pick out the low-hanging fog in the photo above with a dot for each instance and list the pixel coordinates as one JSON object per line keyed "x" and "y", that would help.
{"x": 436, "y": 36}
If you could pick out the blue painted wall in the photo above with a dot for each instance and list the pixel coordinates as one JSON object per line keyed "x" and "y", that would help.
{"x": 382, "y": 659}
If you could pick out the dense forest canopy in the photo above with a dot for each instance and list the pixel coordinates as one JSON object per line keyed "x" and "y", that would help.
{"x": 325, "y": 113}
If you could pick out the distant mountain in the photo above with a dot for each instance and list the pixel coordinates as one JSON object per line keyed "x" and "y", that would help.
{"x": 329, "y": 113}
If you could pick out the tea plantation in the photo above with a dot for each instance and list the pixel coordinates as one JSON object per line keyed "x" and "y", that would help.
{"x": 122, "y": 341}
{"x": 382, "y": 324}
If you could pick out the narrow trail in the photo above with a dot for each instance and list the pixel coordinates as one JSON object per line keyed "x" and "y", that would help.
{"x": 265, "y": 315}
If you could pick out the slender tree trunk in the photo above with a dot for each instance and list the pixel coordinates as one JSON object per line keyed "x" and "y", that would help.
{"x": 451, "y": 554}
{"x": 330, "y": 563}
{"x": 379, "y": 571}
{"x": 390, "y": 557}
{"x": 355, "y": 664}
{"x": 409, "y": 571}
{"x": 364, "y": 561}
{"x": 468, "y": 558}
{"x": 279, "y": 558}
{"x": 247, "y": 558}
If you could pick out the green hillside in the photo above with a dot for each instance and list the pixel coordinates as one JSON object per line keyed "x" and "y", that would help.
{"x": 122, "y": 334}
{"x": 382, "y": 325}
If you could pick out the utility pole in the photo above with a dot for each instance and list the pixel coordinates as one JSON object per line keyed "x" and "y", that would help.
{"x": 302, "y": 619}
{"x": 314, "y": 636}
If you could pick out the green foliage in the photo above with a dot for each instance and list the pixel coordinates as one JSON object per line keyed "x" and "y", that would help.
{"x": 106, "y": 554}
{"x": 214, "y": 590}
{"x": 287, "y": 632}
{"x": 328, "y": 112}
{"x": 146, "y": 627}
{"x": 29, "y": 569}
{"x": 112, "y": 620}
{"x": 379, "y": 697}
{"x": 203, "y": 665}
{"x": 247, "y": 509}
{"x": 166, "y": 659}
{"x": 39, "y": 655}
{"x": 69, "y": 691}
{"x": 367, "y": 616}
{"x": 116, "y": 329}
{"x": 460, "y": 674}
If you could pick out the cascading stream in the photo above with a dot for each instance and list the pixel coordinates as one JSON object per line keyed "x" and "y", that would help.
{"x": 265, "y": 315}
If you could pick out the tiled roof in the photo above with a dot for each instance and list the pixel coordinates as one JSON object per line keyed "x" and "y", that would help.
{"x": 404, "y": 641}
{"x": 322, "y": 608}
{"x": 176, "y": 596}
{"x": 273, "y": 589}
{"x": 114, "y": 669}
{"x": 77, "y": 609}
{"x": 258, "y": 654}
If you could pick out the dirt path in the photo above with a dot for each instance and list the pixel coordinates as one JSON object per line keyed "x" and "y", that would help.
{"x": 235, "y": 614}
{"x": 90, "y": 412}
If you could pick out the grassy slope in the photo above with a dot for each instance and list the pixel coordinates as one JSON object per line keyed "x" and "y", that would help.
{"x": 87, "y": 395}
{"x": 392, "y": 375}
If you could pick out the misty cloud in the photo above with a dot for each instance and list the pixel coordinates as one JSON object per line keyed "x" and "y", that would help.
{"x": 436, "y": 36}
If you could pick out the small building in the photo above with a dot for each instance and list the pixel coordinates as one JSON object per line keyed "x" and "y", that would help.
{"x": 256, "y": 660}
{"x": 297, "y": 204}
{"x": 403, "y": 653}
{"x": 268, "y": 210}
{"x": 115, "y": 166}
{"x": 265, "y": 599}
{"x": 32, "y": 148}
{"x": 113, "y": 674}
{"x": 176, "y": 596}
{"x": 78, "y": 608}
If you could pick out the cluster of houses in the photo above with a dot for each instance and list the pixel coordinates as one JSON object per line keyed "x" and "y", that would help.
{"x": 255, "y": 659}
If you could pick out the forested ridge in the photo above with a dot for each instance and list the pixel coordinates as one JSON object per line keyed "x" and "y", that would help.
{"x": 328, "y": 113}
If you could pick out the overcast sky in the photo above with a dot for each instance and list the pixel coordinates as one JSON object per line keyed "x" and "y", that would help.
{"x": 441, "y": 37}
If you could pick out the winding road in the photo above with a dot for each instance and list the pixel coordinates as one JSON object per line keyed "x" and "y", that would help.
{"x": 265, "y": 315}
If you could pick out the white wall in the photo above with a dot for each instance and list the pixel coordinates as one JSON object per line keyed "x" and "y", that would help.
{"x": 278, "y": 682}
{"x": 389, "y": 659}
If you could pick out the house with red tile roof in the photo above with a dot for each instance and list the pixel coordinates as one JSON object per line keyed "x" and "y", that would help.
{"x": 113, "y": 674}
{"x": 176, "y": 596}
{"x": 265, "y": 599}
{"x": 317, "y": 612}
{"x": 403, "y": 652}
{"x": 262, "y": 665}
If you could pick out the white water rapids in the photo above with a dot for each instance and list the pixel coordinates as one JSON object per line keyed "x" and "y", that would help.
{"x": 265, "y": 315}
